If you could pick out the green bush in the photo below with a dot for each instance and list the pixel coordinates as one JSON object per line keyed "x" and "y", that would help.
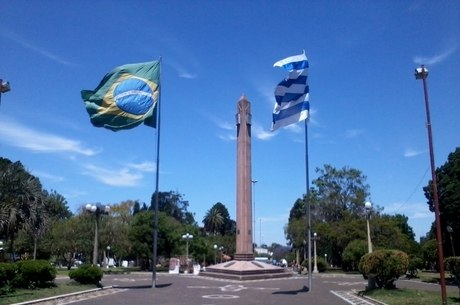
{"x": 385, "y": 266}
{"x": 87, "y": 274}
{"x": 453, "y": 266}
{"x": 7, "y": 273}
{"x": 415, "y": 264}
{"x": 32, "y": 274}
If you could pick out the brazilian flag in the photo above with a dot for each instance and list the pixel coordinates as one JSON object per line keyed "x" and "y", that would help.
{"x": 126, "y": 97}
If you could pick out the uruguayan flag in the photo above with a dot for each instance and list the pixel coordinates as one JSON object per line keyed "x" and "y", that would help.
{"x": 292, "y": 94}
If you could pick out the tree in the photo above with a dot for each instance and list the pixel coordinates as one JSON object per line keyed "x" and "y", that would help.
{"x": 217, "y": 220}
{"x": 172, "y": 204}
{"x": 340, "y": 192}
{"x": 19, "y": 192}
{"x": 448, "y": 184}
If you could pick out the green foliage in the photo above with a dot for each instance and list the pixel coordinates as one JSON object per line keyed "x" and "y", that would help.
{"x": 352, "y": 254}
{"x": 32, "y": 274}
{"x": 430, "y": 253}
{"x": 385, "y": 266}
{"x": 453, "y": 266}
{"x": 448, "y": 185}
{"x": 415, "y": 264}
{"x": 7, "y": 273}
{"x": 87, "y": 274}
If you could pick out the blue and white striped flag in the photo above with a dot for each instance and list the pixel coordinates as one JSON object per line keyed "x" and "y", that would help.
{"x": 292, "y": 94}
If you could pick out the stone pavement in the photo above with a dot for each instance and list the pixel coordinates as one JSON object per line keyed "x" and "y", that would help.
{"x": 135, "y": 289}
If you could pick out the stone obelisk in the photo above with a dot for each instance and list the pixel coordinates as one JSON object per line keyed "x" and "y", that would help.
{"x": 244, "y": 246}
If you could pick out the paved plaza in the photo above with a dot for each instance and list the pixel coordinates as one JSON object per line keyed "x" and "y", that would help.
{"x": 135, "y": 289}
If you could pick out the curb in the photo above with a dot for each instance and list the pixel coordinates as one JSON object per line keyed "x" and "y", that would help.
{"x": 61, "y": 296}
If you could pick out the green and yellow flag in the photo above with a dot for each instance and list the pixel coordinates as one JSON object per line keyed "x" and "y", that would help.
{"x": 126, "y": 97}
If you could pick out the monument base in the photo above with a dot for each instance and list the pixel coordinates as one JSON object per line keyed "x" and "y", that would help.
{"x": 245, "y": 270}
{"x": 244, "y": 256}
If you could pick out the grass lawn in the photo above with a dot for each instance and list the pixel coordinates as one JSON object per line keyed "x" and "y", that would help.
{"x": 22, "y": 295}
{"x": 411, "y": 297}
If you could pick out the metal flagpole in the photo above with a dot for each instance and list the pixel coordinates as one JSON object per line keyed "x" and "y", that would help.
{"x": 307, "y": 179}
{"x": 155, "y": 223}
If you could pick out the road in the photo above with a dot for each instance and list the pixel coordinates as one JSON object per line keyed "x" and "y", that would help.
{"x": 135, "y": 289}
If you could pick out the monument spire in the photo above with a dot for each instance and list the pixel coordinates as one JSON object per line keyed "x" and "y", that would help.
{"x": 244, "y": 242}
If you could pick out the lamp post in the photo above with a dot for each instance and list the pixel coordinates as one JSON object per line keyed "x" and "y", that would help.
{"x": 97, "y": 210}
{"x": 4, "y": 87}
{"x": 254, "y": 211}
{"x": 108, "y": 256}
{"x": 315, "y": 266}
{"x": 325, "y": 259}
{"x": 221, "y": 249}
{"x": 368, "y": 207}
{"x": 215, "y": 254}
{"x": 187, "y": 237}
{"x": 450, "y": 231}
{"x": 422, "y": 73}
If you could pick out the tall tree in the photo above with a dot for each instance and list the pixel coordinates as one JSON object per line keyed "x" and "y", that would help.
{"x": 448, "y": 183}
{"x": 19, "y": 192}
{"x": 217, "y": 220}
{"x": 172, "y": 204}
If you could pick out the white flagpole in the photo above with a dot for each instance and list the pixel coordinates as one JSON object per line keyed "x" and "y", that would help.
{"x": 155, "y": 223}
{"x": 307, "y": 203}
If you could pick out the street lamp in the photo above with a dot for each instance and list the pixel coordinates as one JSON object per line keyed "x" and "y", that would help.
{"x": 187, "y": 237}
{"x": 450, "y": 231}
{"x": 97, "y": 210}
{"x": 108, "y": 256}
{"x": 254, "y": 211}
{"x": 422, "y": 73}
{"x": 368, "y": 207}
{"x": 4, "y": 87}
{"x": 325, "y": 258}
{"x": 315, "y": 267}
{"x": 215, "y": 254}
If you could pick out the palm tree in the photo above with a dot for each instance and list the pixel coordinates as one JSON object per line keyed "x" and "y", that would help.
{"x": 213, "y": 220}
{"x": 19, "y": 192}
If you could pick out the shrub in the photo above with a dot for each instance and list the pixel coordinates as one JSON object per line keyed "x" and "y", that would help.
{"x": 415, "y": 263}
{"x": 7, "y": 273}
{"x": 87, "y": 274}
{"x": 32, "y": 274}
{"x": 453, "y": 266}
{"x": 385, "y": 266}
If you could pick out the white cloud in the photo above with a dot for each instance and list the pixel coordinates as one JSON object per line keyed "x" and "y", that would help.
{"x": 261, "y": 134}
{"x": 21, "y": 136}
{"x": 145, "y": 166}
{"x": 412, "y": 153}
{"x": 114, "y": 177}
{"x": 435, "y": 59}
{"x": 353, "y": 133}
{"x": 48, "y": 176}
{"x": 21, "y": 41}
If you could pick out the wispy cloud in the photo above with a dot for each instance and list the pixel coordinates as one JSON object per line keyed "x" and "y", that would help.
{"x": 412, "y": 153}
{"x": 144, "y": 166}
{"x": 260, "y": 133}
{"x": 21, "y": 41}
{"x": 114, "y": 177}
{"x": 353, "y": 133}
{"x": 21, "y": 136}
{"x": 435, "y": 59}
{"x": 48, "y": 176}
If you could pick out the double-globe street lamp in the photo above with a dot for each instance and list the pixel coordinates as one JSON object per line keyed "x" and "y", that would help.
{"x": 368, "y": 207}
{"x": 422, "y": 73}
{"x": 315, "y": 267}
{"x": 97, "y": 210}
{"x": 187, "y": 237}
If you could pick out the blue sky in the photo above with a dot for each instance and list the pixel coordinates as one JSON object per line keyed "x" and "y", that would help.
{"x": 367, "y": 109}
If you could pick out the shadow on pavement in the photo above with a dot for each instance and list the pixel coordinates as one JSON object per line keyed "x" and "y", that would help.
{"x": 143, "y": 286}
{"x": 293, "y": 292}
